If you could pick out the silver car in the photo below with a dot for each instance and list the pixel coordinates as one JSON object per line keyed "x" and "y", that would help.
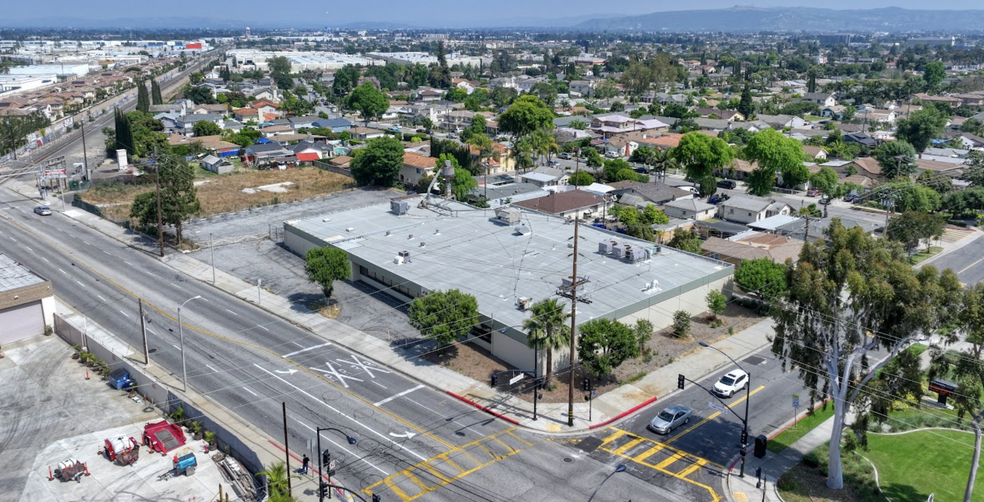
{"x": 671, "y": 418}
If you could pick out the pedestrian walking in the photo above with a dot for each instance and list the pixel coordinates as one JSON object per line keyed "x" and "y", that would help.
{"x": 305, "y": 462}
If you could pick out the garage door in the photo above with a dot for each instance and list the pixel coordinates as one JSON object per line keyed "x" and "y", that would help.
{"x": 20, "y": 322}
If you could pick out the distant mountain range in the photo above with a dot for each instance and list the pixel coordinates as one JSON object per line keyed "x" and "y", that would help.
{"x": 734, "y": 19}
{"x": 739, "y": 19}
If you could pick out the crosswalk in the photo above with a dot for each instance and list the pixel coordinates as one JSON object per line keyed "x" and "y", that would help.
{"x": 658, "y": 456}
{"x": 435, "y": 472}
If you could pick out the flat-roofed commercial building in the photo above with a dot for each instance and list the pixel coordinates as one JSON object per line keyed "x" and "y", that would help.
{"x": 27, "y": 302}
{"x": 509, "y": 258}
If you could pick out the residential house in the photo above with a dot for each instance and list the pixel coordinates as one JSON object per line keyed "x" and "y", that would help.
{"x": 689, "y": 209}
{"x": 823, "y": 99}
{"x": 306, "y": 121}
{"x": 216, "y": 164}
{"x": 714, "y": 113}
{"x": 309, "y": 150}
{"x": 835, "y": 112}
{"x": 218, "y": 109}
{"x": 756, "y": 246}
{"x": 264, "y": 153}
{"x": 748, "y": 209}
{"x": 214, "y": 144}
{"x": 867, "y": 166}
{"x": 545, "y": 177}
{"x": 265, "y": 107}
{"x": 610, "y": 125}
{"x": 569, "y": 204}
{"x": 815, "y": 153}
{"x": 247, "y": 115}
{"x": 232, "y": 125}
{"x": 861, "y": 138}
{"x": 276, "y": 130}
{"x": 186, "y": 124}
{"x": 336, "y": 125}
{"x": 415, "y": 167}
{"x": 583, "y": 87}
{"x": 365, "y": 134}
{"x": 783, "y": 121}
{"x": 650, "y": 193}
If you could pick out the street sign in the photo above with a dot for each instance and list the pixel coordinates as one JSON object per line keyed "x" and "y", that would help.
{"x": 715, "y": 406}
{"x": 796, "y": 401}
{"x": 516, "y": 378}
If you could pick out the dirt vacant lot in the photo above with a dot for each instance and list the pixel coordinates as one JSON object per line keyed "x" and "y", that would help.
{"x": 225, "y": 193}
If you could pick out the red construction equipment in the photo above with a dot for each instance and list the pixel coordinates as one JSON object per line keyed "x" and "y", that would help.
{"x": 71, "y": 470}
{"x": 87, "y": 373}
{"x": 163, "y": 436}
{"x": 123, "y": 450}
{"x": 50, "y": 476}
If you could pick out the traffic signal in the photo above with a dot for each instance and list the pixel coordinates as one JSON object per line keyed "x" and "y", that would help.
{"x": 586, "y": 385}
{"x": 323, "y": 490}
{"x": 495, "y": 380}
{"x": 325, "y": 458}
{"x": 744, "y": 438}
{"x": 375, "y": 498}
{"x": 680, "y": 380}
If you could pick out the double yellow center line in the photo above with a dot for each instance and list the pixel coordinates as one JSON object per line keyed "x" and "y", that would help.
{"x": 712, "y": 416}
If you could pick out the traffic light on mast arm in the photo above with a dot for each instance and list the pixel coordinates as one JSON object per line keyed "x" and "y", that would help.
{"x": 680, "y": 380}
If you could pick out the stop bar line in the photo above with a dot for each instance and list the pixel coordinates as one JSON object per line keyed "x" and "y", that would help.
{"x": 305, "y": 350}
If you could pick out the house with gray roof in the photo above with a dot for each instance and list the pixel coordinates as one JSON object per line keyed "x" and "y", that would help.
{"x": 653, "y": 193}
{"x": 186, "y": 123}
{"x": 747, "y": 209}
{"x": 690, "y": 209}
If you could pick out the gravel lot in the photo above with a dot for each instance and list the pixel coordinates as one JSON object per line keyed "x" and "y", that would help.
{"x": 243, "y": 248}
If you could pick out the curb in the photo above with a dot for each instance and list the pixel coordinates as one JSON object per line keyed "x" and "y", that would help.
{"x": 483, "y": 408}
{"x": 624, "y": 413}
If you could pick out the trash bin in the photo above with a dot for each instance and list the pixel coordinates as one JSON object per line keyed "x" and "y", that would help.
{"x": 760, "y": 442}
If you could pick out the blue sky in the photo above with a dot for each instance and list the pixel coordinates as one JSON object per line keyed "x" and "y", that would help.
{"x": 424, "y": 12}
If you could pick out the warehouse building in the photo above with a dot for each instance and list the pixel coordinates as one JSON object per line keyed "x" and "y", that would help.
{"x": 27, "y": 302}
{"x": 509, "y": 258}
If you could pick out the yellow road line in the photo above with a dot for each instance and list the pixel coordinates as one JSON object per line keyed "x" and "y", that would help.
{"x": 668, "y": 461}
{"x": 415, "y": 480}
{"x": 712, "y": 416}
{"x": 340, "y": 388}
{"x": 503, "y": 443}
{"x": 696, "y": 465}
{"x": 648, "y": 453}
{"x": 676, "y": 456}
{"x": 619, "y": 433}
{"x": 438, "y": 474}
{"x": 628, "y": 446}
{"x": 447, "y": 460}
{"x": 396, "y": 490}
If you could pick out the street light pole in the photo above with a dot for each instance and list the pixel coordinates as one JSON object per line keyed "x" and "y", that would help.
{"x": 324, "y": 460}
{"x": 748, "y": 395}
{"x": 184, "y": 366}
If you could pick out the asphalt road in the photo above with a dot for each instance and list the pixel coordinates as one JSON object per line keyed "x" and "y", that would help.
{"x": 412, "y": 439}
{"x": 967, "y": 261}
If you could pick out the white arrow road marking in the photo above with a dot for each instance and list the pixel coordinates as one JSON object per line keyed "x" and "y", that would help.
{"x": 251, "y": 392}
{"x": 332, "y": 408}
{"x": 305, "y": 350}
{"x": 211, "y": 368}
{"x": 364, "y": 365}
{"x": 401, "y": 394}
{"x": 287, "y": 372}
{"x": 407, "y": 434}
{"x": 332, "y": 371}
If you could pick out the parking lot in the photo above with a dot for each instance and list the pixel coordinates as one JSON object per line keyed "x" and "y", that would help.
{"x": 51, "y": 413}
{"x": 247, "y": 246}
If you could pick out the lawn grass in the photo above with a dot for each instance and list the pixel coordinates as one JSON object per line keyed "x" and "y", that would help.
{"x": 806, "y": 482}
{"x": 911, "y": 466}
{"x": 922, "y": 255}
{"x": 800, "y": 429}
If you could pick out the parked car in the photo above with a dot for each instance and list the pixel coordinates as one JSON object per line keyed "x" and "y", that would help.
{"x": 813, "y": 193}
{"x": 671, "y": 418}
{"x": 553, "y": 162}
{"x": 850, "y": 198}
{"x": 729, "y": 184}
{"x": 730, "y": 383}
{"x": 565, "y": 156}
{"x": 642, "y": 170}
{"x": 43, "y": 210}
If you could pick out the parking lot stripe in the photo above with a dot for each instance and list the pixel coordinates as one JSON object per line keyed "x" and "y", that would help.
{"x": 401, "y": 394}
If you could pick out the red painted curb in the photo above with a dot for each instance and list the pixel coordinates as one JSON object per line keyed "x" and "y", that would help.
{"x": 624, "y": 413}
{"x": 483, "y": 408}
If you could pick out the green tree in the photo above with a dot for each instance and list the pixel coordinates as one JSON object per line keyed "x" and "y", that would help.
{"x": 462, "y": 183}
{"x": 653, "y": 216}
{"x": 477, "y": 127}
{"x": 643, "y": 332}
{"x": 444, "y": 316}
{"x": 824, "y": 180}
{"x": 716, "y": 302}
{"x": 547, "y": 330}
{"x": 581, "y": 178}
{"x": 440, "y": 74}
{"x": 155, "y": 93}
{"x": 368, "y": 101}
{"x": 324, "y": 266}
{"x": 144, "y": 210}
{"x": 196, "y": 78}
{"x": 849, "y": 294}
{"x": 746, "y": 106}
{"x": 775, "y": 153}
{"x": 897, "y": 159}
{"x": 592, "y": 158}
{"x": 933, "y": 74}
{"x": 763, "y": 277}
{"x": 681, "y": 324}
{"x": 143, "y": 98}
{"x": 637, "y": 78}
{"x": 525, "y": 115}
{"x": 179, "y": 200}
{"x": 966, "y": 370}
{"x": 604, "y": 344}
{"x": 910, "y": 227}
{"x": 908, "y": 196}
{"x": 379, "y": 162}
{"x": 280, "y": 72}
{"x": 199, "y": 94}
{"x": 578, "y": 124}
{"x": 686, "y": 240}
{"x": 701, "y": 155}
{"x": 206, "y": 128}
{"x": 921, "y": 127}
{"x": 277, "y": 479}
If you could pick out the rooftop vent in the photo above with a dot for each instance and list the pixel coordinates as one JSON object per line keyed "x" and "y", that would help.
{"x": 399, "y": 206}
{"x": 422, "y": 244}
{"x": 524, "y": 303}
{"x": 349, "y": 229}
{"x": 388, "y": 233}
{"x": 522, "y": 230}
{"x": 410, "y": 237}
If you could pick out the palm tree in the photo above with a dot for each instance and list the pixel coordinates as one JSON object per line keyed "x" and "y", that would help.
{"x": 546, "y": 329}
{"x": 661, "y": 161}
{"x": 277, "y": 475}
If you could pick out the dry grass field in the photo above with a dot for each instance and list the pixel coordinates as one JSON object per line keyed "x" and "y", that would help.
{"x": 224, "y": 194}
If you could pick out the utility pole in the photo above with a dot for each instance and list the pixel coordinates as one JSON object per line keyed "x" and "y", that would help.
{"x": 143, "y": 330}
{"x": 85, "y": 157}
{"x": 286, "y": 449}
{"x": 570, "y": 390}
{"x": 211, "y": 249}
{"x": 160, "y": 217}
